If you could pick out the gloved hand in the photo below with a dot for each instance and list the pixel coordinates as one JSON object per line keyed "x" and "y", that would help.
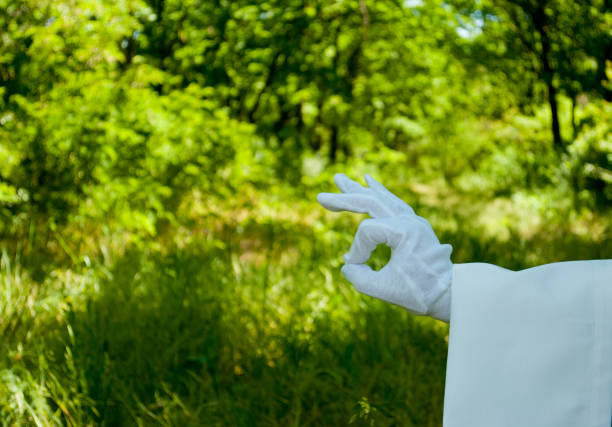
{"x": 418, "y": 275}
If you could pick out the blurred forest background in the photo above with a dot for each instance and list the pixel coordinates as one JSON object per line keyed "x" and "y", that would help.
{"x": 164, "y": 260}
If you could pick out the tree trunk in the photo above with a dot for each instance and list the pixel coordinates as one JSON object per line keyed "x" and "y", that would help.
{"x": 269, "y": 78}
{"x": 540, "y": 22}
{"x": 574, "y": 130}
{"x": 552, "y": 100}
{"x": 333, "y": 144}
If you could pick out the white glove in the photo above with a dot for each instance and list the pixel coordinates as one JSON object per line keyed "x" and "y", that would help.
{"x": 418, "y": 275}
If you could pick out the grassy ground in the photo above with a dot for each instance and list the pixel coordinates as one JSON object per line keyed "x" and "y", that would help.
{"x": 240, "y": 322}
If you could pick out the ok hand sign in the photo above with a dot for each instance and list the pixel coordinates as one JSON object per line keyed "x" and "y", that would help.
{"x": 418, "y": 275}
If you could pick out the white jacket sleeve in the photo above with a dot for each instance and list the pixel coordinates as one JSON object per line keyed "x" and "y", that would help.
{"x": 531, "y": 348}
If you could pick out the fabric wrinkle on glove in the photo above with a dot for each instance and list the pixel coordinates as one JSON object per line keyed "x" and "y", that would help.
{"x": 419, "y": 273}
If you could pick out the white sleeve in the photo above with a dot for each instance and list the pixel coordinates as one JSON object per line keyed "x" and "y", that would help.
{"x": 531, "y": 348}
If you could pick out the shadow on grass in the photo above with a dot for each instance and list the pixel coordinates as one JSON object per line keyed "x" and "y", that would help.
{"x": 179, "y": 340}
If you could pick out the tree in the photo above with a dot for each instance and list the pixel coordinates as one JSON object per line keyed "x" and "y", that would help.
{"x": 559, "y": 45}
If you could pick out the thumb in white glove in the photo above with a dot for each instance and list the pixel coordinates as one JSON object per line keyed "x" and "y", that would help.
{"x": 418, "y": 275}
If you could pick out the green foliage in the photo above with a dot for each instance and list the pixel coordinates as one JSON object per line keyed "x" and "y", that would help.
{"x": 590, "y": 157}
{"x": 164, "y": 259}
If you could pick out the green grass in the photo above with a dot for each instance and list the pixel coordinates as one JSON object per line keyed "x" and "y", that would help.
{"x": 247, "y": 325}
{"x": 207, "y": 335}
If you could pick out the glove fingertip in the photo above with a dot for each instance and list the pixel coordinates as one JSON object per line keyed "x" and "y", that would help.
{"x": 348, "y": 271}
{"x": 339, "y": 177}
{"x": 357, "y": 274}
{"x": 327, "y": 200}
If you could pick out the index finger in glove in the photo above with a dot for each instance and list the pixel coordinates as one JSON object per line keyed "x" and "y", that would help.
{"x": 353, "y": 202}
{"x": 371, "y": 233}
